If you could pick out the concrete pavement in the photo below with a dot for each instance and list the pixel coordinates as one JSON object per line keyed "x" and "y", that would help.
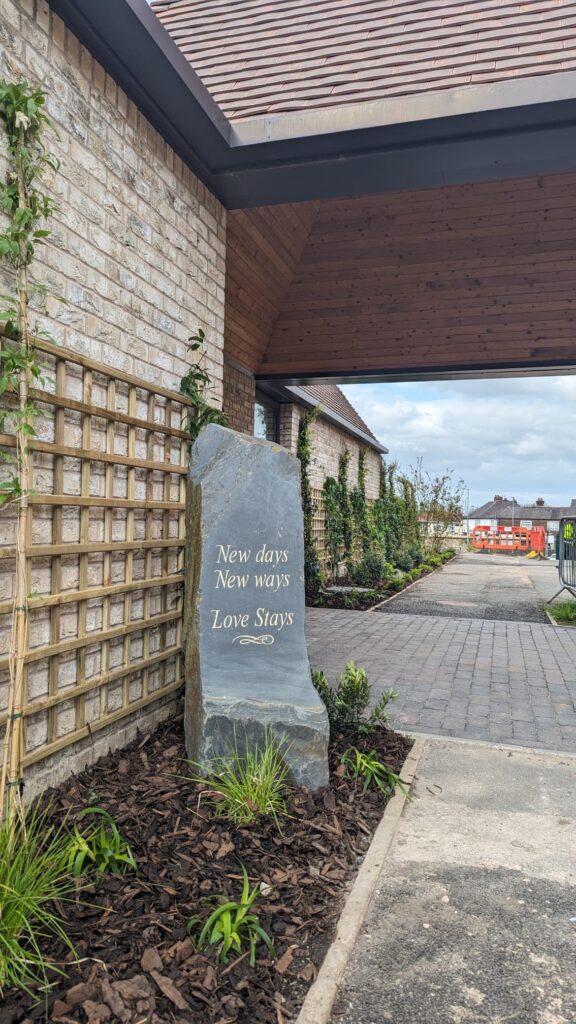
{"x": 474, "y": 920}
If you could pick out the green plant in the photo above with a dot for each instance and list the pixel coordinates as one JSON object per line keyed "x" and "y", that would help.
{"x": 361, "y": 520}
{"x": 24, "y": 207}
{"x": 232, "y": 926}
{"x": 361, "y": 765}
{"x": 345, "y": 506}
{"x": 404, "y": 560}
{"x": 347, "y": 703}
{"x": 33, "y": 876}
{"x": 372, "y": 571}
{"x": 246, "y": 785}
{"x": 195, "y": 385}
{"x": 564, "y": 611}
{"x": 333, "y": 524}
{"x": 100, "y": 848}
{"x": 312, "y": 575}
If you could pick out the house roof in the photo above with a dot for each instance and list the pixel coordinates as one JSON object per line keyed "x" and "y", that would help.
{"x": 277, "y": 56}
{"x": 334, "y": 407}
{"x": 542, "y": 513}
{"x": 502, "y": 508}
{"x": 494, "y": 509}
{"x": 331, "y": 398}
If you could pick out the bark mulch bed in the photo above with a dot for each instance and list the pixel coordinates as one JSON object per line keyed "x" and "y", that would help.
{"x": 140, "y": 967}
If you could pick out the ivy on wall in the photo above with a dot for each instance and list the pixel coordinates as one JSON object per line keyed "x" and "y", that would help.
{"x": 362, "y": 528}
{"x": 26, "y": 207}
{"x": 366, "y": 535}
{"x": 312, "y": 576}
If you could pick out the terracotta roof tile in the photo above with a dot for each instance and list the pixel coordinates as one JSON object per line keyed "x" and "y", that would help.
{"x": 258, "y": 57}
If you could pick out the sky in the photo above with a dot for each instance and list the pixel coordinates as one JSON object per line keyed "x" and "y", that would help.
{"x": 515, "y": 437}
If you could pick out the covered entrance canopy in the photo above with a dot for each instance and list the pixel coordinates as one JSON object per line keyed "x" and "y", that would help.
{"x": 401, "y": 178}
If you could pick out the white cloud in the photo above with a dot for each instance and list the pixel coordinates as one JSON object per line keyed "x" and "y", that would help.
{"x": 515, "y": 436}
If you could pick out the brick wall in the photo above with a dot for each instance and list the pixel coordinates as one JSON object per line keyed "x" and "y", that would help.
{"x": 137, "y": 251}
{"x": 238, "y": 401}
{"x": 328, "y": 443}
{"x": 138, "y": 248}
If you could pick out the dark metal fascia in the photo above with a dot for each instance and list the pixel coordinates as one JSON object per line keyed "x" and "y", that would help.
{"x": 458, "y": 371}
{"x": 518, "y": 128}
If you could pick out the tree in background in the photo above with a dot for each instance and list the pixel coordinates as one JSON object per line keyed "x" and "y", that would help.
{"x": 439, "y": 500}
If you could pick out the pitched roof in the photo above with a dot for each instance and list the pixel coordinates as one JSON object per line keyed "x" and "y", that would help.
{"x": 540, "y": 513}
{"x": 502, "y": 508}
{"x": 494, "y": 509}
{"x": 335, "y": 406}
{"x": 331, "y": 397}
{"x": 261, "y": 57}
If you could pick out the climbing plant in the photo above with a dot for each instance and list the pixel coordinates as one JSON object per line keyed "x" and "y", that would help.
{"x": 26, "y": 207}
{"x": 345, "y": 506}
{"x": 361, "y": 520}
{"x": 312, "y": 577}
{"x": 333, "y": 525}
{"x": 196, "y": 385}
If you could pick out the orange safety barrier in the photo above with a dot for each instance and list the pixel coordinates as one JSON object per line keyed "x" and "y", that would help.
{"x": 521, "y": 539}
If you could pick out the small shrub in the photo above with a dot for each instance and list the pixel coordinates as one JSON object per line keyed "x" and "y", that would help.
{"x": 101, "y": 847}
{"x": 434, "y": 561}
{"x": 404, "y": 560}
{"x": 249, "y": 784}
{"x": 232, "y": 926}
{"x": 564, "y": 611}
{"x": 360, "y": 765}
{"x": 348, "y": 702}
{"x": 33, "y": 875}
{"x": 399, "y": 581}
{"x": 371, "y": 571}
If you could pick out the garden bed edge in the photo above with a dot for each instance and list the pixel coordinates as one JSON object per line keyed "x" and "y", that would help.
{"x": 319, "y": 1000}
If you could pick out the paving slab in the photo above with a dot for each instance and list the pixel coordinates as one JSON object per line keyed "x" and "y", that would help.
{"x": 483, "y": 586}
{"x": 474, "y": 917}
{"x": 499, "y": 681}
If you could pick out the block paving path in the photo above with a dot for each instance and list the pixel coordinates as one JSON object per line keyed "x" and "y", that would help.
{"x": 508, "y": 682}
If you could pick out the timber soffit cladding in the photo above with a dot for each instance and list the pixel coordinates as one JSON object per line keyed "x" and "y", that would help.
{"x": 260, "y": 57}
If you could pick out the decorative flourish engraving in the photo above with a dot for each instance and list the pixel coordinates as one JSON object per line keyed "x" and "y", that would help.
{"x": 245, "y": 638}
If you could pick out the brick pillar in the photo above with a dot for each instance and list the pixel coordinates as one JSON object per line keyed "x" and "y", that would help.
{"x": 238, "y": 403}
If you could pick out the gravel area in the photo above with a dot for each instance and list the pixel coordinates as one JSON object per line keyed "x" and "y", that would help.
{"x": 480, "y": 586}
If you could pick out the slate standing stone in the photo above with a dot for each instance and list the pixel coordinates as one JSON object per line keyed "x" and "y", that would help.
{"x": 246, "y": 661}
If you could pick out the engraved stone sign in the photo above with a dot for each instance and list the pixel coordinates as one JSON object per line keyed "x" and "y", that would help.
{"x": 247, "y": 667}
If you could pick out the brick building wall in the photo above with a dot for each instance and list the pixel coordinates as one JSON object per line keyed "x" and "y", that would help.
{"x": 137, "y": 252}
{"x": 328, "y": 443}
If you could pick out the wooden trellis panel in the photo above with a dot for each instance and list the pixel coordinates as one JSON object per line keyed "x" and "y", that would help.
{"x": 319, "y": 527}
{"x": 105, "y": 553}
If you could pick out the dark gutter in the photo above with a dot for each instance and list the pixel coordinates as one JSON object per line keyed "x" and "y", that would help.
{"x": 457, "y": 371}
{"x": 520, "y": 127}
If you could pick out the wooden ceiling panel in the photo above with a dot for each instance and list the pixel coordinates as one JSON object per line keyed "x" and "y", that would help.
{"x": 264, "y": 246}
{"x": 455, "y": 278}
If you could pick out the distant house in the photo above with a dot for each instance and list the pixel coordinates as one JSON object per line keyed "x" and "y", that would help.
{"x": 339, "y": 427}
{"x": 508, "y": 512}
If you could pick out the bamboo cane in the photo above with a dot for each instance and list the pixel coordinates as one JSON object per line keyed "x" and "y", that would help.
{"x": 13, "y": 746}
